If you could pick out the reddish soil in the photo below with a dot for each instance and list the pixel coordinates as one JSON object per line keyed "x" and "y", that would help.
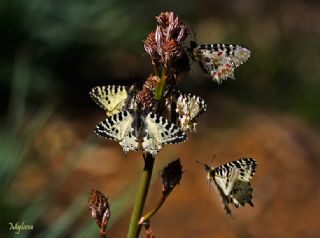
{"x": 286, "y": 186}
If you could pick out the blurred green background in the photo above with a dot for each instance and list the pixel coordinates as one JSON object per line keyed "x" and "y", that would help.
{"x": 53, "y": 52}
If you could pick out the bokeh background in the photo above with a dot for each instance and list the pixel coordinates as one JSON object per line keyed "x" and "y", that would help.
{"x": 53, "y": 52}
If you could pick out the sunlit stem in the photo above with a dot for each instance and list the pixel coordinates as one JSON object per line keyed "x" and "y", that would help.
{"x": 153, "y": 211}
{"x": 161, "y": 86}
{"x": 134, "y": 226}
{"x": 155, "y": 68}
{"x": 102, "y": 233}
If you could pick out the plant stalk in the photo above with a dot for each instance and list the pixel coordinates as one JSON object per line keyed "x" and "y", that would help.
{"x": 102, "y": 234}
{"x": 134, "y": 227}
{"x": 153, "y": 211}
{"x": 160, "y": 88}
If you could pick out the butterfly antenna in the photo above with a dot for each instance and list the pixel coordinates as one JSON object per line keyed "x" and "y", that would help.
{"x": 129, "y": 73}
{"x": 213, "y": 157}
{"x": 197, "y": 161}
{"x": 194, "y": 35}
{"x": 193, "y": 44}
{"x": 206, "y": 167}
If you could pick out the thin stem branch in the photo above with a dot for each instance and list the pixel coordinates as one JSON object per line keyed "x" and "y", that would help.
{"x": 153, "y": 211}
{"x": 134, "y": 227}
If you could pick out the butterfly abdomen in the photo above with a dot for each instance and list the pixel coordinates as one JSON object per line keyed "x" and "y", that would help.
{"x": 138, "y": 124}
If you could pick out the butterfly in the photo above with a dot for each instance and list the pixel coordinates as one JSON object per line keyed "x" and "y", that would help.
{"x": 139, "y": 129}
{"x": 233, "y": 181}
{"x": 113, "y": 98}
{"x": 188, "y": 108}
{"x": 219, "y": 60}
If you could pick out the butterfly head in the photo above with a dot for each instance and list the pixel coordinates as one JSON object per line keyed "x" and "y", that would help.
{"x": 191, "y": 49}
{"x": 206, "y": 166}
{"x": 193, "y": 45}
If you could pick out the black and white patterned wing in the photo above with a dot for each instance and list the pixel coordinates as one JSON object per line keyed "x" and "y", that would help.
{"x": 119, "y": 127}
{"x": 226, "y": 179}
{"x": 136, "y": 130}
{"x": 113, "y": 98}
{"x": 159, "y": 132}
{"x": 220, "y": 60}
{"x": 233, "y": 181}
{"x": 242, "y": 190}
{"x": 189, "y": 107}
{"x": 247, "y": 168}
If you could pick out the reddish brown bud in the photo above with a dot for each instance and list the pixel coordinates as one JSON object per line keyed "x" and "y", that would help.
{"x": 150, "y": 46}
{"x": 165, "y": 43}
{"x": 146, "y": 96}
{"x": 171, "y": 176}
{"x": 164, "y": 18}
{"x": 171, "y": 50}
{"x": 172, "y": 27}
{"x": 100, "y": 211}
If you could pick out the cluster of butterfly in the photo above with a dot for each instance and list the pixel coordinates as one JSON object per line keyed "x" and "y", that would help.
{"x": 233, "y": 181}
{"x": 136, "y": 129}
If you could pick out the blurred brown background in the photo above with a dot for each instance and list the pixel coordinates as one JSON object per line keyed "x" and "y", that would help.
{"x": 53, "y": 52}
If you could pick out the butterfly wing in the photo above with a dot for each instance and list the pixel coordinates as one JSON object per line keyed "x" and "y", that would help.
{"x": 188, "y": 107}
{"x": 120, "y": 128}
{"x": 226, "y": 182}
{"x": 242, "y": 190}
{"x": 112, "y": 98}
{"x": 241, "y": 193}
{"x": 158, "y": 132}
{"x": 233, "y": 182}
{"x": 246, "y": 166}
{"x": 238, "y": 54}
{"x": 220, "y": 60}
{"x": 225, "y": 199}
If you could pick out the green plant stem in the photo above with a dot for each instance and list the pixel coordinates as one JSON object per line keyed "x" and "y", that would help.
{"x": 102, "y": 234}
{"x": 153, "y": 211}
{"x": 134, "y": 227}
{"x": 160, "y": 88}
{"x": 155, "y": 68}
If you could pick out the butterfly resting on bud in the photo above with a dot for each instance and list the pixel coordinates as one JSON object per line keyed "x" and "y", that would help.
{"x": 113, "y": 98}
{"x": 138, "y": 129}
{"x": 116, "y": 98}
{"x": 233, "y": 181}
{"x": 188, "y": 108}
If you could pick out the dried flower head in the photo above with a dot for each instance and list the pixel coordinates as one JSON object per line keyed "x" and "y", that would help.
{"x": 100, "y": 211}
{"x": 145, "y": 97}
{"x": 171, "y": 176}
{"x": 164, "y": 45}
{"x": 171, "y": 50}
{"x": 150, "y": 46}
{"x": 171, "y": 27}
{"x": 163, "y": 19}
